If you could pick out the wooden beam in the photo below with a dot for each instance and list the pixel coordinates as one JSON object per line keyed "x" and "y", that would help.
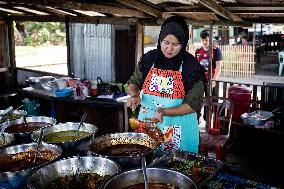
{"x": 77, "y": 19}
{"x": 66, "y": 4}
{"x": 261, "y": 8}
{"x": 142, "y": 7}
{"x": 158, "y": 22}
{"x": 218, "y": 9}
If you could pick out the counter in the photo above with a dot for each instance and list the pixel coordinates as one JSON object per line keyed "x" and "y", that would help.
{"x": 107, "y": 114}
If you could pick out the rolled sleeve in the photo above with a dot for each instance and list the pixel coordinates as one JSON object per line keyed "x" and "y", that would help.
{"x": 194, "y": 97}
{"x": 136, "y": 77}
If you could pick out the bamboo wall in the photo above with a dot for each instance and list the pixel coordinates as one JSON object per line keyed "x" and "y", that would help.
{"x": 238, "y": 61}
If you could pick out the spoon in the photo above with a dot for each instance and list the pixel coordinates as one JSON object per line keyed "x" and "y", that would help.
{"x": 38, "y": 144}
{"x": 82, "y": 121}
{"x": 77, "y": 174}
{"x": 133, "y": 121}
{"x": 25, "y": 120}
{"x": 143, "y": 161}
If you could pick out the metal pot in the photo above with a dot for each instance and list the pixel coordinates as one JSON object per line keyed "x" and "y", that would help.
{"x": 6, "y": 140}
{"x": 67, "y": 167}
{"x": 25, "y": 137}
{"x": 18, "y": 178}
{"x": 130, "y": 161}
{"x": 155, "y": 175}
{"x": 68, "y": 147}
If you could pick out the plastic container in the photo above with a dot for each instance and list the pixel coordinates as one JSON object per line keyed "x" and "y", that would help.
{"x": 64, "y": 92}
{"x": 241, "y": 96}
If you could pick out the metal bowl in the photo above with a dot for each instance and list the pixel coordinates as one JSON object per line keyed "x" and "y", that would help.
{"x": 68, "y": 147}
{"x": 25, "y": 137}
{"x": 18, "y": 178}
{"x": 155, "y": 175}
{"x": 130, "y": 161}
{"x": 67, "y": 167}
{"x": 6, "y": 140}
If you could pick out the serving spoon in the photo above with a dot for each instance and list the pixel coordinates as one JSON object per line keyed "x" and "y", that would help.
{"x": 81, "y": 122}
{"x": 38, "y": 144}
{"x": 143, "y": 161}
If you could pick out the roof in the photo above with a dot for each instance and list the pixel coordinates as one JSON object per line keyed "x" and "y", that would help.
{"x": 257, "y": 11}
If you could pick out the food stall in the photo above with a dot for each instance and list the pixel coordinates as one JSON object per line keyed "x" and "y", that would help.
{"x": 49, "y": 144}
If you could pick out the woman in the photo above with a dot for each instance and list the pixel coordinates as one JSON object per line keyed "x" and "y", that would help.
{"x": 168, "y": 83}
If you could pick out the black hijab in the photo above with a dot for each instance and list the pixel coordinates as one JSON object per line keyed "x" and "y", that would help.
{"x": 177, "y": 27}
{"x": 192, "y": 70}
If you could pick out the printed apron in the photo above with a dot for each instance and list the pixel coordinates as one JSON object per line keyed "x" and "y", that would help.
{"x": 164, "y": 88}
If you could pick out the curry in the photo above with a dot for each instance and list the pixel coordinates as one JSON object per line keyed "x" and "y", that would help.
{"x": 25, "y": 160}
{"x": 64, "y": 136}
{"x": 152, "y": 186}
{"x": 85, "y": 181}
{"x": 22, "y": 128}
{"x": 124, "y": 150}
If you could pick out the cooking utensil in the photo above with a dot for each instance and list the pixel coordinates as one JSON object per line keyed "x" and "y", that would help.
{"x": 152, "y": 130}
{"x": 134, "y": 122}
{"x": 143, "y": 161}
{"x": 25, "y": 120}
{"x": 155, "y": 175}
{"x": 127, "y": 161}
{"x": 68, "y": 147}
{"x": 38, "y": 144}
{"x": 25, "y": 137}
{"x": 82, "y": 121}
{"x": 17, "y": 179}
{"x": 166, "y": 160}
{"x": 89, "y": 164}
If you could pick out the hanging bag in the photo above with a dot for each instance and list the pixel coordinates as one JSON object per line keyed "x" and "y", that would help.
{"x": 103, "y": 88}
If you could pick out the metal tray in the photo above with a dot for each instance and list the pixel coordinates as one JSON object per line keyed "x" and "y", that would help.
{"x": 182, "y": 156}
{"x": 256, "y": 118}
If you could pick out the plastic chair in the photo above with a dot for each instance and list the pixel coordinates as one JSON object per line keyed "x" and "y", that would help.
{"x": 281, "y": 62}
{"x": 213, "y": 140}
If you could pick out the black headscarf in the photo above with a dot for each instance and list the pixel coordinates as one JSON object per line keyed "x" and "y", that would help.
{"x": 192, "y": 70}
{"x": 177, "y": 27}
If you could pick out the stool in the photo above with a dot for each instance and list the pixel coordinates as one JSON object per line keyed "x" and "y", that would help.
{"x": 281, "y": 62}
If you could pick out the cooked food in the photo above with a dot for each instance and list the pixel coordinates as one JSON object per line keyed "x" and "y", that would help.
{"x": 199, "y": 169}
{"x": 22, "y": 128}
{"x": 25, "y": 160}
{"x": 152, "y": 186}
{"x": 13, "y": 116}
{"x": 124, "y": 150}
{"x": 64, "y": 136}
{"x": 85, "y": 181}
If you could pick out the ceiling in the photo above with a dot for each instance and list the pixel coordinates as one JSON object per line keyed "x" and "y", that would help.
{"x": 256, "y": 11}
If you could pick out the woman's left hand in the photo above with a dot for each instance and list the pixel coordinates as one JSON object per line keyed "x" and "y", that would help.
{"x": 159, "y": 114}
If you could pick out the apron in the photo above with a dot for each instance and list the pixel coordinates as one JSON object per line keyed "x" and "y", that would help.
{"x": 164, "y": 88}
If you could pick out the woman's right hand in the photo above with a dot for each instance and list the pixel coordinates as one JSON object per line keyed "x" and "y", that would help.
{"x": 133, "y": 102}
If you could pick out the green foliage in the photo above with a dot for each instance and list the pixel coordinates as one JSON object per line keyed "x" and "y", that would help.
{"x": 40, "y": 33}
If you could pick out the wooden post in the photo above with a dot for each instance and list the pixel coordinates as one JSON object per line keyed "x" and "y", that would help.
{"x": 11, "y": 39}
{"x": 209, "y": 88}
{"x": 190, "y": 37}
{"x": 69, "y": 68}
{"x": 254, "y": 31}
{"x": 139, "y": 40}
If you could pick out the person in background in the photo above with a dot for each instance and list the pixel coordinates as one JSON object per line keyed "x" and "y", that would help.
{"x": 168, "y": 84}
{"x": 244, "y": 40}
{"x": 202, "y": 55}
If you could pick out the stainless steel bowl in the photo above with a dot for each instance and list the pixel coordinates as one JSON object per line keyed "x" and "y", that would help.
{"x": 130, "y": 161}
{"x": 155, "y": 175}
{"x": 68, "y": 147}
{"x": 67, "y": 167}
{"x": 6, "y": 140}
{"x": 18, "y": 178}
{"x": 25, "y": 137}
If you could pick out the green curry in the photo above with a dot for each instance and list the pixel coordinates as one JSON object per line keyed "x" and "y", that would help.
{"x": 64, "y": 136}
